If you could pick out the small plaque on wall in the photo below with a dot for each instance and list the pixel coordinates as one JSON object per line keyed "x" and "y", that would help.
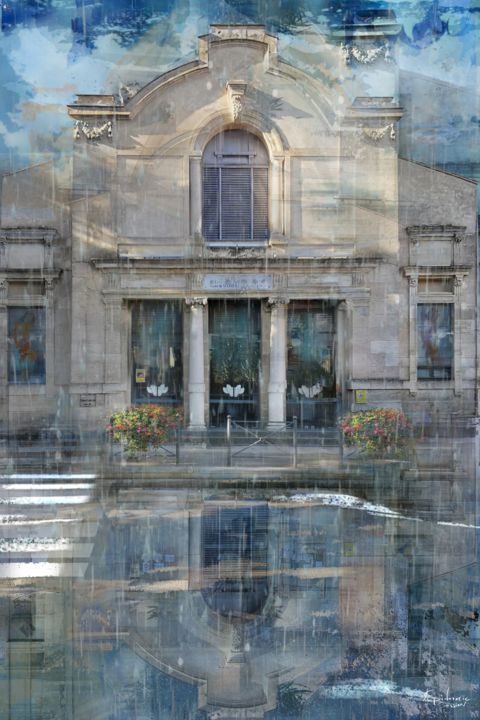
{"x": 360, "y": 397}
{"x": 140, "y": 375}
{"x": 89, "y": 400}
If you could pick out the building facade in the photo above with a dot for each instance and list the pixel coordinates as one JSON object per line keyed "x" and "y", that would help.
{"x": 240, "y": 238}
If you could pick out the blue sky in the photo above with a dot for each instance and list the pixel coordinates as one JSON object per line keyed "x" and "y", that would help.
{"x": 43, "y": 63}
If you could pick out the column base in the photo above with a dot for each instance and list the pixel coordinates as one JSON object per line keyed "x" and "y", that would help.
{"x": 279, "y": 425}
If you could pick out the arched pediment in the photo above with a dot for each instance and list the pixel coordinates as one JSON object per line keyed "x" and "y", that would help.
{"x": 211, "y": 81}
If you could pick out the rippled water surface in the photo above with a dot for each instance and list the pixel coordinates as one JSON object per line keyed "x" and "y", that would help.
{"x": 176, "y": 602}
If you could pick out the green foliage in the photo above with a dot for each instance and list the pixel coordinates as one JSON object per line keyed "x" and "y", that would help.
{"x": 140, "y": 427}
{"x": 235, "y": 361}
{"x": 381, "y": 433}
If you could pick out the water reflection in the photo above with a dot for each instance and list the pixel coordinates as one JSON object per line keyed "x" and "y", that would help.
{"x": 196, "y": 605}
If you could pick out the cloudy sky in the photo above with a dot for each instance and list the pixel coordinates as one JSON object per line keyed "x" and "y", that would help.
{"x": 45, "y": 60}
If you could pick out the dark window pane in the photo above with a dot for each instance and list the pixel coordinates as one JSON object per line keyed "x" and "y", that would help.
{"x": 434, "y": 341}
{"x": 26, "y": 345}
{"x": 234, "y": 328}
{"x": 157, "y": 338}
{"x": 311, "y": 386}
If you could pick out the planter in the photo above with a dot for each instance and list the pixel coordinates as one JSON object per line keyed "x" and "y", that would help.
{"x": 140, "y": 431}
{"x": 118, "y": 453}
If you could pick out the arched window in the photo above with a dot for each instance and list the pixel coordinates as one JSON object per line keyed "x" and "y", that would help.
{"x": 235, "y": 188}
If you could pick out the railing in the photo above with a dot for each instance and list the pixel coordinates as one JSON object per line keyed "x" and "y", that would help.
{"x": 284, "y": 443}
{"x": 266, "y": 436}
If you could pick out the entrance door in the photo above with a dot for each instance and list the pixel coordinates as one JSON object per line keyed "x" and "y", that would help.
{"x": 157, "y": 338}
{"x": 234, "y": 332}
{"x": 311, "y": 382}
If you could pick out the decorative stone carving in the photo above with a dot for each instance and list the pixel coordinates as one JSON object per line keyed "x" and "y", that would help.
{"x": 49, "y": 284}
{"x": 413, "y": 281}
{"x": 92, "y": 132}
{"x": 274, "y": 302}
{"x": 127, "y": 91}
{"x": 377, "y": 134}
{"x": 229, "y": 32}
{"x": 111, "y": 281}
{"x": 196, "y": 301}
{"x": 457, "y": 232}
{"x": 3, "y": 289}
{"x": 236, "y": 93}
{"x": 365, "y": 55}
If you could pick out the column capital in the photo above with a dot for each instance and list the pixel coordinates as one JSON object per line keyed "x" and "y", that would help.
{"x": 196, "y": 301}
{"x": 3, "y": 289}
{"x": 112, "y": 300}
{"x": 274, "y": 302}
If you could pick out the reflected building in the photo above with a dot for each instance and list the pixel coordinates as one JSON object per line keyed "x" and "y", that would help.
{"x": 240, "y": 239}
{"x": 190, "y": 606}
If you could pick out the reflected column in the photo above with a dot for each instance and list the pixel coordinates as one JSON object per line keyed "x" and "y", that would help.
{"x": 277, "y": 383}
{"x": 4, "y": 410}
{"x": 196, "y": 364}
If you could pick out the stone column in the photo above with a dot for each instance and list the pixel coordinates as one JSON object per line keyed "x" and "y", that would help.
{"x": 341, "y": 355}
{"x": 412, "y": 324}
{"x": 457, "y": 342}
{"x": 49, "y": 336}
{"x": 196, "y": 365}
{"x": 277, "y": 383}
{"x": 3, "y": 355}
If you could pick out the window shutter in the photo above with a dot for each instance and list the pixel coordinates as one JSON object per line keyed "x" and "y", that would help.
{"x": 236, "y": 221}
{"x": 260, "y": 203}
{"x": 211, "y": 203}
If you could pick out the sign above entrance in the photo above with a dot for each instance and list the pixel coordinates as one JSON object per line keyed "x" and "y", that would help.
{"x": 237, "y": 282}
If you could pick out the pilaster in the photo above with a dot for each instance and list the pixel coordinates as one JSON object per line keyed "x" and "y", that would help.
{"x": 277, "y": 384}
{"x": 196, "y": 367}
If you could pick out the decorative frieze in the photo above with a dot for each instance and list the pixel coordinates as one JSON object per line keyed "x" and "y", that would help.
{"x": 377, "y": 134}
{"x": 365, "y": 55}
{"x": 232, "y": 32}
{"x": 92, "y": 132}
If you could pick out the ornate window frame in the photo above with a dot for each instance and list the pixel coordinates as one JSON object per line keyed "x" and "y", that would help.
{"x": 249, "y": 120}
{"x": 457, "y": 275}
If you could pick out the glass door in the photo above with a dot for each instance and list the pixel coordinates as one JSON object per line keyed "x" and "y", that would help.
{"x": 157, "y": 339}
{"x": 234, "y": 333}
{"x": 311, "y": 384}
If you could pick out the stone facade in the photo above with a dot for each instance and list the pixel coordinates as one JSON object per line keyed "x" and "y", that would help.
{"x": 352, "y": 229}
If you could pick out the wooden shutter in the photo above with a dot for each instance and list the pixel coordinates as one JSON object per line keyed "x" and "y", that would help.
{"x": 211, "y": 203}
{"x": 260, "y": 203}
{"x": 236, "y": 203}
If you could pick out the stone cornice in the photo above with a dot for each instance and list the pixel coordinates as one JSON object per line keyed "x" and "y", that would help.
{"x": 440, "y": 232}
{"x": 235, "y": 265}
{"x": 433, "y": 271}
{"x": 29, "y": 274}
{"x": 28, "y": 235}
